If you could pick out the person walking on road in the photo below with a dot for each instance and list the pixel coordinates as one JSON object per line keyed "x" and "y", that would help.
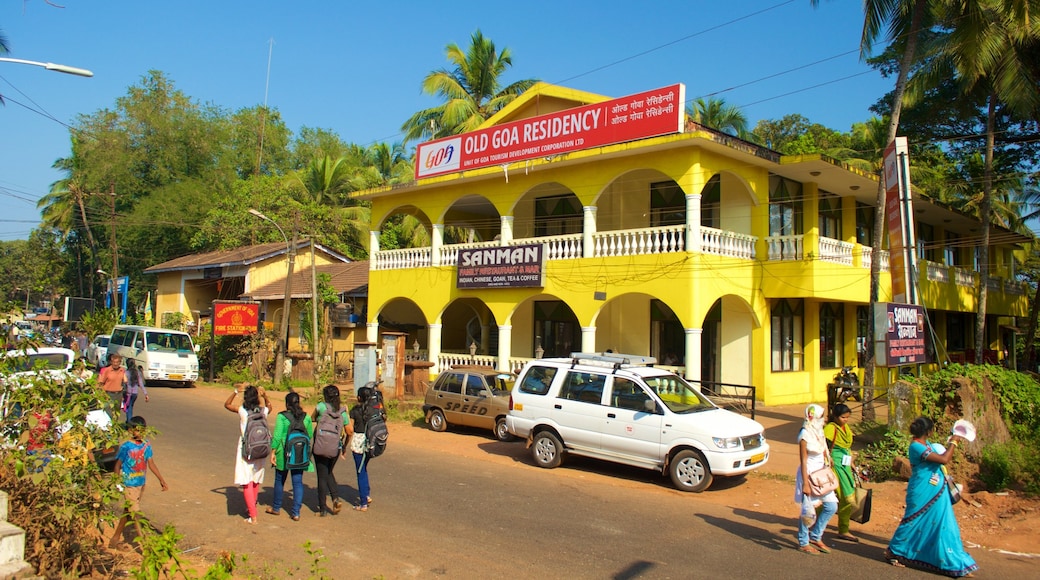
{"x": 134, "y": 387}
{"x": 839, "y": 439}
{"x": 358, "y": 447}
{"x": 812, "y": 451}
{"x": 113, "y": 381}
{"x": 329, "y": 410}
{"x": 283, "y": 425}
{"x": 928, "y": 536}
{"x": 133, "y": 461}
{"x": 248, "y": 474}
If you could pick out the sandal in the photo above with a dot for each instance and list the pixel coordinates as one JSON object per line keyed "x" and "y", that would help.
{"x": 820, "y": 546}
{"x": 361, "y": 508}
{"x": 848, "y": 538}
{"x": 336, "y": 506}
{"x": 893, "y": 560}
{"x": 272, "y": 511}
{"x": 295, "y": 518}
{"x": 807, "y": 549}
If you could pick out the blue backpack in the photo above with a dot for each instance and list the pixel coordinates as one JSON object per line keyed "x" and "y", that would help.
{"x": 297, "y": 444}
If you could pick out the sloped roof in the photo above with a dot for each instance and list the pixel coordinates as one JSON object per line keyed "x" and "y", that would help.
{"x": 350, "y": 278}
{"x": 542, "y": 98}
{"x": 244, "y": 256}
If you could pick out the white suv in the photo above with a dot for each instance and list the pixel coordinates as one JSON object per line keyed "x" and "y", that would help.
{"x": 620, "y": 408}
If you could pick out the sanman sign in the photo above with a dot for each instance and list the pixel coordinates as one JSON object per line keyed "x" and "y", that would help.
{"x": 647, "y": 114}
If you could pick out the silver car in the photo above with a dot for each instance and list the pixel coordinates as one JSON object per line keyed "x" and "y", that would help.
{"x": 97, "y": 350}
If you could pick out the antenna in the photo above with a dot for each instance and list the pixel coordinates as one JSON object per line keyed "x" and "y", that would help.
{"x": 263, "y": 113}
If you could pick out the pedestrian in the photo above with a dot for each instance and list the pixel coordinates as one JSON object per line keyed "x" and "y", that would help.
{"x": 812, "y": 452}
{"x": 839, "y": 439}
{"x": 293, "y": 414}
{"x": 928, "y": 536}
{"x": 113, "y": 381}
{"x": 329, "y": 410}
{"x": 358, "y": 445}
{"x": 81, "y": 343}
{"x": 133, "y": 461}
{"x": 134, "y": 386}
{"x": 248, "y": 474}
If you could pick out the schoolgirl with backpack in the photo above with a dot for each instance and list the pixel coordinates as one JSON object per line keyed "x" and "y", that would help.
{"x": 291, "y": 454}
{"x": 330, "y": 424}
{"x": 368, "y": 437}
{"x": 254, "y": 444}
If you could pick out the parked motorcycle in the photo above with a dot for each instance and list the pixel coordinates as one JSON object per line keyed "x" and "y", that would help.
{"x": 847, "y": 383}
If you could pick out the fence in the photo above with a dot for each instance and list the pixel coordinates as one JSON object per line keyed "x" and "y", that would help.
{"x": 736, "y": 398}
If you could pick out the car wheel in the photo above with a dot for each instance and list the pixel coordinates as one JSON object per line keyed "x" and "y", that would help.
{"x": 547, "y": 450}
{"x": 502, "y": 430}
{"x": 689, "y": 471}
{"x": 437, "y": 421}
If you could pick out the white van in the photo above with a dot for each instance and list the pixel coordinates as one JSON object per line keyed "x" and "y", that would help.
{"x": 622, "y": 408}
{"x": 162, "y": 354}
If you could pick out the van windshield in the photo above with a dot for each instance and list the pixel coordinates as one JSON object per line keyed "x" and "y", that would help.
{"x": 678, "y": 395}
{"x": 168, "y": 342}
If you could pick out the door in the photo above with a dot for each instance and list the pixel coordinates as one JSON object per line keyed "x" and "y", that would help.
{"x": 449, "y": 396}
{"x": 633, "y": 423}
{"x": 578, "y": 410}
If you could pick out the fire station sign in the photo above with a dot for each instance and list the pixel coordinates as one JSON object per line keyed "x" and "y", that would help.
{"x": 235, "y": 318}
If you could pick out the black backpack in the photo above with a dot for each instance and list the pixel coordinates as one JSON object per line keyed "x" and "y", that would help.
{"x": 328, "y": 433}
{"x": 256, "y": 440}
{"x": 297, "y": 444}
{"x": 376, "y": 433}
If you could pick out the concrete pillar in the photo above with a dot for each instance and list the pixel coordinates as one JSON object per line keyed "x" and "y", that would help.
{"x": 693, "y": 222}
{"x": 372, "y": 332}
{"x": 435, "y": 346}
{"x": 588, "y": 339}
{"x": 506, "y": 235}
{"x": 373, "y": 246}
{"x": 693, "y": 354}
{"x": 436, "y": 241}
{"x": 588, "y": 230}
{"x": 505, "y": 346}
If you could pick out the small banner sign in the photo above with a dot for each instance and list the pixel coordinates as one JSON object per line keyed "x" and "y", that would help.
{"x": 905, "y": 331}
{"x": 235, "y": 318}
{"x": 502, "y": 267}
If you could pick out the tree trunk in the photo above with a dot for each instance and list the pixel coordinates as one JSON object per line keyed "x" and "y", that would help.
{"x": 985, "y": 208}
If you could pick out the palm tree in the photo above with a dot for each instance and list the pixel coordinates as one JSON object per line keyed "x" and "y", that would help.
{"x": 327, "y": 181}
{"x": 471, "y": 91}
{"x": 716, "y": 114}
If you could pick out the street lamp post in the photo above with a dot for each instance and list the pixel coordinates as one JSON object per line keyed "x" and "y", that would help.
{"x": 283, "y": 338}
{"x": 71, "y": 70}
{"x": 113, "y": 290}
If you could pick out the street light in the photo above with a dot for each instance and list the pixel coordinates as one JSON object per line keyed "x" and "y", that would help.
{"x": 113, "y": 289}
{"x": 71, "y": 70}
{"x": 283, "y": 334}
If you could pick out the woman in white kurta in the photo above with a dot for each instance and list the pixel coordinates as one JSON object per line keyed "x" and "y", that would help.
{"x": 248, "y": 474}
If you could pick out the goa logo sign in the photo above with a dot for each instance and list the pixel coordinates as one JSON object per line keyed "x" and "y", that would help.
{"x": 440, "y": 157}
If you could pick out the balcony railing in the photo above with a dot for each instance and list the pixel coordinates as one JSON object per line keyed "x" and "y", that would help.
{"x": 868, "y": 258}
{"x": 836, "y": 251}
{"x": 639, "y": 242}
{"x": 565, "y": 247}
{"x": 724, "y": 243}
{"x": 938, "y": 272}
{"x": 400, "y": 259}
{"x": 782, "y": 248}
{"x": 963, "y": 277}
{"x": 450, "y": 253}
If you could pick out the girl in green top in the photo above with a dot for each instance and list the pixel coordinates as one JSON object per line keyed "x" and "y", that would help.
{"x": 839, "y": 439}
{"x": 293, "y": 412}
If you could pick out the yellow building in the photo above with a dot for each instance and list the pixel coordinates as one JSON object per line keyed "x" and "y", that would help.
{"x": 722, "y": 258}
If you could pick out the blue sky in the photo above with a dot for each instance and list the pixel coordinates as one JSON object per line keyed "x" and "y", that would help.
{"x": 356, "y": 67}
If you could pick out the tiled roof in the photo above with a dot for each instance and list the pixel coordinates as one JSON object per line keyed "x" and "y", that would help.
{"x": 243, "y": 256}
{"x": 350, "y": 278}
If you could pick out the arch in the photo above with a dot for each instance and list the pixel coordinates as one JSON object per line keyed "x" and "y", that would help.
{"x": 727, "y": 200}
{"x": 403, "y": 315}
{"x": 547, "y": 209}
{"x": 640, "y": 198}
{"x": 413, "y": 227}
{"x": 471, "y": 218}
{"x": 726, "y": 341}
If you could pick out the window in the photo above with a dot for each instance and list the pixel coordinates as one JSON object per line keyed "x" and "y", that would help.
{"x": 957, "y": 325}
{"x": 927, "y": 247}
{"x": 537, "y": 380}
{"x": 862, "y": 322}
{"x": 667, "y": 204}
{"x": 831, "y": 335}
{"x": 557, "y": 331}
{"x": 830, "y": 216}
{"x": 626, "y": 394}
{"x": 786, "y": 322}
{"x": 864, "y": 224}
{"x": 711, "y": 201}
{"x": 785, "y": 206}
{"x": 474, "y": 384}
{"x": 452, "y": 383}
{"x": 951, "y": 249}
{"x": 584, "y": 387}
{"x": 557, "y": 215}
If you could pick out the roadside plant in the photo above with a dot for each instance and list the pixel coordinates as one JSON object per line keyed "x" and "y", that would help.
{"x": 101, "y": 321}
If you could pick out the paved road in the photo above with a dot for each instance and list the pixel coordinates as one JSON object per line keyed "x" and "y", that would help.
{"x": 481, "y": 510}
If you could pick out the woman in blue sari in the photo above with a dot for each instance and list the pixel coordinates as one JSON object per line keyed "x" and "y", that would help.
{"x": 928, "y": 536}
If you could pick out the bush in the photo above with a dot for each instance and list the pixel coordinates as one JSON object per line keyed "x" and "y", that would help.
{"x": 876, "y": 461}
{"x": 1010, "y": 465}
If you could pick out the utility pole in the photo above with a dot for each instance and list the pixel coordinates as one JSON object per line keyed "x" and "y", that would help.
{"x": 283, "y": 333}
{"x": 115, "y": 249}
{"x": 314, "y": 320}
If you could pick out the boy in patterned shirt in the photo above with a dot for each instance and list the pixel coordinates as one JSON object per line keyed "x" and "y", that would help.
{"x": 133, "y": 461}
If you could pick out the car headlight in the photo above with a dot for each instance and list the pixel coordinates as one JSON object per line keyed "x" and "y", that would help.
{"x": 727, "y": 442}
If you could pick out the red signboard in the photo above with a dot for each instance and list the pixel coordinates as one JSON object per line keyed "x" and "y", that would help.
{"x": 235, "y": 318}
{"x": 647, "y": 114}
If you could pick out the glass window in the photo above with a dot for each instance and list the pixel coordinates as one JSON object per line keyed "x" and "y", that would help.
{"x": 830, "y": 216}
{"x": 785, "y": 206}
{"x": 951, "y": 249}
{"x": 584, "y": 387}
{"x": 474, "y": 384}
{"x": 627, "y": 394}
{"x": 557, "y": 215}
{"x": 168, "y": 342}
{"x": 957, "y": 325}
{"x": 831, "y": 335}
{"x": 711, "y": 201}
{"x": 787, "y": 321}
{"x": 667, "y": 204}
{"x": 452, "y": 383}
{"x": 864, "y": 224}
{"x": 862, "y": 320}
{"x": 537, "y": 380}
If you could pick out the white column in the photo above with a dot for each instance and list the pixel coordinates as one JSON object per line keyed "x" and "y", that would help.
{"x": 506, "y": 235}
{"x": 435, "y": 347}
{"x": 693, "y": 222}
{"x": 436, "y": 241}
{"x": 372, "y": 333}
{"x": 692, "y": 360}
{"x": 505, "y": 346}
{"x": 373, "y": 247}
{"x": 588, "y": 339}
{"x": 588, "y": 230}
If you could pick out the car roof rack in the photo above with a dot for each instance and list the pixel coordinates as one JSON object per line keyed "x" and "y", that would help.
{"x": 614, "y": 359}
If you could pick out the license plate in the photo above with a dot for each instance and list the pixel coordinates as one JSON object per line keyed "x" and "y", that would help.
{"x": 176, "y": 377}
{"x": 758, "y": 458}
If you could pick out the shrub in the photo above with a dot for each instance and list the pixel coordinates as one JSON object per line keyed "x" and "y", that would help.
{"x": 1010, "y": 465}
{"x": 876, "y": 461}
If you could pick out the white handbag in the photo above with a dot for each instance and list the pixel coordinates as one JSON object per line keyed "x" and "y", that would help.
{"x": 357, "y": 443}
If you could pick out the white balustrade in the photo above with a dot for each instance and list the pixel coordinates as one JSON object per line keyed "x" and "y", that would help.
{"x": 836, "y": 251}
{"x": 725, "y": 243}
{"x": 964, "y": 277}
{"x": 450, "y": 253}
{"x": 639, "y": 242}
{"x": 403, "y": 258}
{"x": 938, "y": 272}
{"x": 566, "y": 247}
{"x": 785, "y": 247}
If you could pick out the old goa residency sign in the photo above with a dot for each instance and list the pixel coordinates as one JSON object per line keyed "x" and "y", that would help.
{"x": 235, "y": 318}
{"x": 647, "y": 114}
{"x": 505, "y": 267}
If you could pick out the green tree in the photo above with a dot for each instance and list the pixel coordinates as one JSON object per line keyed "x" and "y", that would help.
{"x": 718, "y": 115}
{"x": 471, "y": 91}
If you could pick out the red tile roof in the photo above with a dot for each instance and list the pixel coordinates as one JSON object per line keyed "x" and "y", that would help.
{"x": 243, "y": 256}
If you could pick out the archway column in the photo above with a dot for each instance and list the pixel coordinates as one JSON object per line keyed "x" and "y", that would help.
{"x": 436, "y": 241}
{"x": 693, "y": 222}
{"x": 434, "y": 346}
{"x": 693, "y": 354}
{"x": 373, "y": 247}
{"x": 505, "y": 346}
{"x": 588, "y": 339}
{"x": 372, "y": 333}
{"x": 588, "y": 230}
{"x": 506, "y": 234}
